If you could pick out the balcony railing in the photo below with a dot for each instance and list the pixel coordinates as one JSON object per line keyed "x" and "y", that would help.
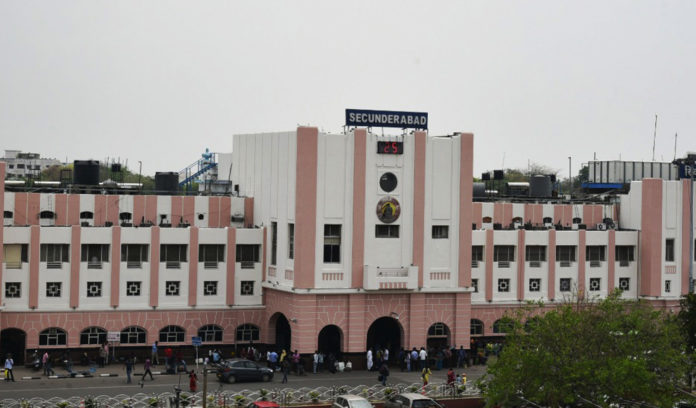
{"x": 94, "y": 265}
{"x": 13, "y": 265}
{"x": 595, "y": 264}
{"x": 173, "y": 264}
{"x": 54, "y": 265}
{"x": 624, "y": 262}
{"x": 399, "y": 278}
{"x": 134, "y": 264}
{"x": 248, "y": 264}
{"x": 565, "y": 264}
{"x": 535, "y": 264}
{"x": 474, "y": 264}
{"x": 210, "y": 264}
{"x": 503, "y": 264}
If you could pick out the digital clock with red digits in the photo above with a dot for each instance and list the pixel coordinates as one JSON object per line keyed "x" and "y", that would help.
{"x": 390, "y": 147}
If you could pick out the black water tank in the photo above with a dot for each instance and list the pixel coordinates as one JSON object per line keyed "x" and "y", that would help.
{"x": 86, "y": 172}
{"x": 167, "y": 182}
{"x": 498, "y": 174}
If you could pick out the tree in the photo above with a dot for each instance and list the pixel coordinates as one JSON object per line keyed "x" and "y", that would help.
{"x": 589, "y": 353}
{"x": 687, "y": 319}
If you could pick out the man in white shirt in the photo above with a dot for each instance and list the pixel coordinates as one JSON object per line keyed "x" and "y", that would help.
{"x": 423, "y": 356}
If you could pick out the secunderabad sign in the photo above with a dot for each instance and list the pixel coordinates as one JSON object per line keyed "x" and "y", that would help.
{"x": 379, "y": 118}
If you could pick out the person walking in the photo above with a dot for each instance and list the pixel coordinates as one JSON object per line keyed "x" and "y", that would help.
{"x": 154, "y": 358}
{"x": 129, "y": 369}
{"x": 450, "y": 379}
{"x": 44, "y": 362}
{"x": 425, "y": 376}
{"x": 9, "y": 363}
{"x": 285, "y": 365}
{"x": 315, "y": 361}
{"x": 148, "y": 365}
{"x": 369, "y": 360}
{"x": 193, "y": 381}
{"x": 423, "y": 355}
{"x": 384, "y": 373}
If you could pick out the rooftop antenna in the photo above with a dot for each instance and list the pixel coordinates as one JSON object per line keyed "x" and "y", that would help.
{"x": 503, "y": 165}
{"x": 654, "y": 137}
{"x": 675, "y": 147}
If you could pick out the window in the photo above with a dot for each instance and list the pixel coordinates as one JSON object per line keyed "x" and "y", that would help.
{"x": 247, "y": 332}
{"x": 20, "y": 165}
{"x": 54, "y": 255}
{"x": 274, "y": 242}
{"x": 386, "y": 231}
{"x": 624, "y": 254}
{"x": 210, "y": 288}
{"x": 93, "y": 335}
{"x": 565, "y": 254}
{"x": 669, "y": 250}
{"x": 53, "y": 337}
{"x": 15, "y": 255}
{"x": 53, "y": 289}
{"x": 94, "y": 289}
{"x": 474, "y": 284}
{"x": 595, "y": 284}
{"x": 248, "y": 255}
{"x": 291, "y": 241}
{"x": 173, "y": 255}
{"x": 247, "y": 288}
{"x": 134, "y": 255}
{"x": 86, "y": 215}
{"x": 503, "y": 285}
{"x": 125, "y": 216}
{"x": 171, "y": 334}
{"x": 438, "y": 330}
{"x": 502, "y": 326}
{"x": 7, "y": 214}
{"x": 13, "y": 289}
{"x": 534, "y": 285}
{"x": 504, "y": 253}
{"x": 440, "y": 231}
{"x": 476, "y": 327}
{"x": 535, "y": 254}
{"x": 668, "y": 286}
{"x": 133, "y": 335}
{"x": 625, "y": 283}
{"x": 477, "y": 253}
{"x": 95, "y": 254}
{"x": 210, "y": 332}
{"x": 332, "y": 243}
{"x": 211, "y": 255}
{"x": 172, "y": 288}
{"x": 47, "y": 215}
{"x": 595, "y": 255}
{"x": 133, "y": 288}
{"x": 565, "y": 285}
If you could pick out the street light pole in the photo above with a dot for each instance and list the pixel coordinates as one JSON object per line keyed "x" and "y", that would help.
{"x": 570, "y": 178}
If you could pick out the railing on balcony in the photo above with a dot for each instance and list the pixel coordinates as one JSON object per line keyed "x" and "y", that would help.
{"x": 94, "y": 265}
{"x": 54, "y": 264}
{"x": 210, "y": 264}
{"x": 13, "y": 265}
{"x": 595, "y": 264}
{"x": 134, "y": 264}
{"x": 535, "y": 264}
{"x": 503, "y": 264}
{"x": 474, "y": 264}
{"x": 399, "y": 278}
{"x": 173, "y": 264}
{"x": 247, "y": 264}
{"x": 624, "y": 262}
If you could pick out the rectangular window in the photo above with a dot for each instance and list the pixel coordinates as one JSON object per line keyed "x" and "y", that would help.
{"x": 564, "y": 285}
{"x": 565, "y": 254}
{"x": 94, "y": 289}
{"x": 477, "y": 253}
{"x": 625, "y": 283}
{"x": 668, "y": 286}
{"x": 595, "y": 253}
{"x": 94, "y": 255}
{"x": 535, "y": 285}
{"x": 171, "y": 288}
{"x": 669, "y": 250}
{"x": 504, "y": 253}
{"x": 247, "y": 255}
{"x": 624, "y": 254}
{"x": 209, "y": 288}
{"x": 535, "y": 253}
{"x": 13, "y": 289}
{"x": 134, "y": 254}
{"x": 274, "y": 242}
{"x": 53, "y": 289}
{"x": 386, "y": 231}
{"x": 133, "y": 288}
{"x": 291, "y": 241}
{"x": 474, "y": 284}
{"x": 211, "y": 255}
{"x": 595, "y": 284}
{"x": 15, "y": 255}
{"x": 173, "y": 255}
{"x": 247, "y": 288}
{"x": 332, "y": 243}
{"x": 503, "y": 285}
{"x": 54, "y": 254}
{"x": 440, "y": 231}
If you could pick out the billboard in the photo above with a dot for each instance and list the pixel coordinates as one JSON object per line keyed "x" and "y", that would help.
{"x": 378, "y": 118}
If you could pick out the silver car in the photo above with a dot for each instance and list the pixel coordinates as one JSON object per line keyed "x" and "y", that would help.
{"x": 351, "y": 401}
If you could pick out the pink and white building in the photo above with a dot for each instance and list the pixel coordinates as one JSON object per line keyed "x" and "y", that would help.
{"x": 335, "y": 241}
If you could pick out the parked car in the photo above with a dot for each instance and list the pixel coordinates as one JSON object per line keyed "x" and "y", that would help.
{"x": 238, "y": 369}
{"x": 263, "y": 404}
{"x": 351, "y": 401}
{"x": 412, "y": 400}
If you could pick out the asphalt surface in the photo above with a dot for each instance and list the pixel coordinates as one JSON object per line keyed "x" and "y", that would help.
{"x": 31, "y": 384}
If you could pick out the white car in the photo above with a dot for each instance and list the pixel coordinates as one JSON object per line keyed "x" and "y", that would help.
{"x": 351, "y": 401}
{"x": 411, "y": 400}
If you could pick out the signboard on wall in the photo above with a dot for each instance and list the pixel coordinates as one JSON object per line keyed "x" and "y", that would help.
{"x": 687, "y": 171}
{"x": 379, "y": 118}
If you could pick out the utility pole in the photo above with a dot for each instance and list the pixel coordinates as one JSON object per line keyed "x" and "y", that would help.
{"x": 654, "y": 137}
{"x": 570, "y": 178}
{"x": 205, "y": 385}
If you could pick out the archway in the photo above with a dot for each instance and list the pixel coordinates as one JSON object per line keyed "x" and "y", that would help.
{"x": 438, "y": 336}
{"x": 386, "y": 332}
{"x": 283, "y": 332}
{"x": 13, "y": 341}
{"x": 331, "y": 340}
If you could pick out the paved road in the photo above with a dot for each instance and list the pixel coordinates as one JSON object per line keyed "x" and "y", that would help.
{"x": 68, "y": 387}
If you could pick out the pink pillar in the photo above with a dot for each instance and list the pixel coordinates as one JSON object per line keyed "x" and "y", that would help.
{"x": 466, "y": 174}
{"x": 356, "y": 324}
{"x": 462, "y": 320}
{"x": 177, "y": 210}
{"x": 33, "y": 208}
{"x": 521, "y": 253}
{"x": 651, "y": 238}
{"x": 582, "y": 248}
{"x": 34, "y": 257}
{"x": 686, "y": 237}
{"x": 419, "y": 203}
{"x": 305, "y": 206}
{"x": 417, "y": 333}
{"x": 193, "y": 266}
{"x": 489, "y": 265}
{"x": 75, "y": 246}
{"x": 61, "y": 209}
{"x": 477, "y": 214}
{"x": 225, "y": 212}
{"x": 552, "y": 265}
{"x": 249, "y": 212}
{"x": 20, "y": 209}
{"x": 115, "y": 265}
{"x": 231, "y": 264}
{"x": 154, "y": 265}
{"x": 73, "y": 209}
{"x": 112, "y": 209}
{"x": 213, "y": 212}
{"x": 190, "y": 210}
{"x": 358, "y": 245}
{"x": 138, "y": 209}
{"x": 611, "y": 257}
{"x": 99, "y": 210}
{"x": 151, "y": 209}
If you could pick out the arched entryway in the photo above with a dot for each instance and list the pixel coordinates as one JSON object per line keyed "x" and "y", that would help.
{"x": 438, "y": 336}
{"x": 13, "y": 341}
{"x": 331, "y": 340}
{"x": 283, "y": 333}
{"x": 386, "y": 332}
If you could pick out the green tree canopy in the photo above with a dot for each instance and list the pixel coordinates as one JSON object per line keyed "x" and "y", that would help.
{"x": 602, "y": 353}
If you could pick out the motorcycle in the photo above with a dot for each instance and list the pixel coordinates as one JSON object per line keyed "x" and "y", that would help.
{"x": 34, "y": 361}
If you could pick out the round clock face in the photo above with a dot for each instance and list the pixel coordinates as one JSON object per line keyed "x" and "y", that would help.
{"x": 387, "y": 182}
{"x": 388, "y": 210}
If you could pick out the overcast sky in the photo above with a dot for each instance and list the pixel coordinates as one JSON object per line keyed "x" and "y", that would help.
{"x": 159, "y": 81}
